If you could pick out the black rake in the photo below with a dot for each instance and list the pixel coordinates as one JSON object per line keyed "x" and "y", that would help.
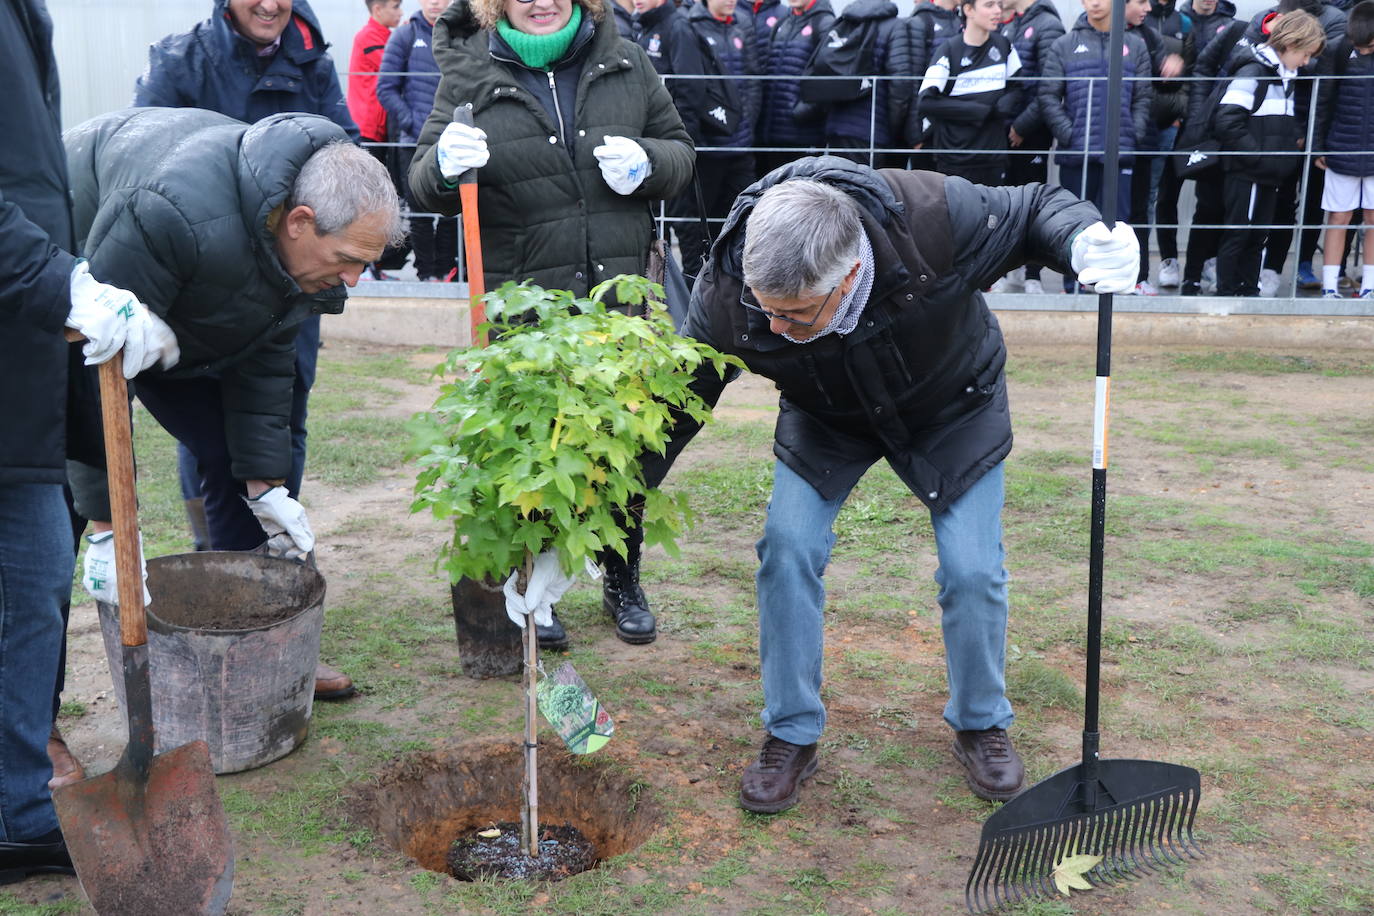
{"x": 1137, "y": 815}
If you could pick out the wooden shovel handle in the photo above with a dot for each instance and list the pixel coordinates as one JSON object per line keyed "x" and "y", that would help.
{"x": 119, "y": 460}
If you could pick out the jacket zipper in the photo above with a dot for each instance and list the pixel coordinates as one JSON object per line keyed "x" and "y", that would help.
{"x": 557, "y": 109}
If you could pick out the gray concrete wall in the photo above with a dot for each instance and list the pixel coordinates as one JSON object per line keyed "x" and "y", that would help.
{"x": 443, "y": 323}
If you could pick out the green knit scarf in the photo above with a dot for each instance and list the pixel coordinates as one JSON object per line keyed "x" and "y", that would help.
{"x": 538, "y": 51}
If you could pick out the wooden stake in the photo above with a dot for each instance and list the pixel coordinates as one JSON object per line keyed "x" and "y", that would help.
{"x": 529, "y": 820}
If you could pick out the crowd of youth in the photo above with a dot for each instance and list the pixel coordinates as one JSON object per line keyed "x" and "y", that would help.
{"x": 990, "y": 90}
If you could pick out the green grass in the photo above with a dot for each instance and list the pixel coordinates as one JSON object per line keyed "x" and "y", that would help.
{"x": 1256, "y": 363}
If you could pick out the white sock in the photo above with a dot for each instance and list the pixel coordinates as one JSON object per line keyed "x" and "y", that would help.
{"x": 1330, "y": 275}
{"x": 1366, "y": 277}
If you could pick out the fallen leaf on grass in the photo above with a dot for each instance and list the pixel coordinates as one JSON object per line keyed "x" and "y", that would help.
{"x": 1069, "y": 871}
{"x": 489, "y": 834}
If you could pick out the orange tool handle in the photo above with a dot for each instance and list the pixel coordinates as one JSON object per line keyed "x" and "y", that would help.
{"x": 472, "y": 237}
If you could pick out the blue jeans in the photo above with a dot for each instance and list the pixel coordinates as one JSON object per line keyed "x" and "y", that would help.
{"x": 36, "y": 560}
{"x": 793, "y": 554}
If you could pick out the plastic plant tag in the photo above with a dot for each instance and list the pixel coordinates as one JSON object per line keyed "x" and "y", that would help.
{"x": 573, "y": 712}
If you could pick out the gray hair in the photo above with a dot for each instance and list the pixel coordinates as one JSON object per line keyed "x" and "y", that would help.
{"x": 802, "y": 239}
{"x": 342, "y": 182}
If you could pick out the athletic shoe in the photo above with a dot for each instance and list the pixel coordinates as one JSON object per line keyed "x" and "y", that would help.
{"x": 1209, "y": 273}
{"x": 1018, "y": 276}
{"x": 1268, "y": 283}
{"x": 1033, "y": 287}
{"x": 1001, "y": 286}
{"x": 1345, "y": 283}
{"x": 1366, "y": 294}
{"x": 1331, "y": 294}
{"x": 1144, "y": 288}
{"x": 1169, "y": 272}
{"x": 1307, "y": 279}
{"x": 1190, "y": 288}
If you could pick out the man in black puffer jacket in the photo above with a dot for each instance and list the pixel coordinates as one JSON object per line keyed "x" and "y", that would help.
{"x": 931, "y": 24}
{"x": 804, "y": 24}
{"x": 234, "y": 234}
{"x": 857, "y": 293}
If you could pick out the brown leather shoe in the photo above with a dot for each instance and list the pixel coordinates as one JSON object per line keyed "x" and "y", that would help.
{"x": 992, "y": 767}
{"x": 331, "y": 684}
{"x": 66, "y": 769}
{"x": 773, "y": 782}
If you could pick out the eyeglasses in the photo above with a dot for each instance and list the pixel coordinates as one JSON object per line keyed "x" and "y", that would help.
{"x": 746, "y": 299}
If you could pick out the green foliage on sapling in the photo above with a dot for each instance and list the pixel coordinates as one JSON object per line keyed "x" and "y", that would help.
{"x": 534, "y": 445}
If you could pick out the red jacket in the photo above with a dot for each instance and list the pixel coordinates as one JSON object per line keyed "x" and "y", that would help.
{"x": 363, "y": 66}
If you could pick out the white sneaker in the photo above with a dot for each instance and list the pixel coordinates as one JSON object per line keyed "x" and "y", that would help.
{"x": 1169, "y": 273}
{"x": 1144, "y": 288}
{"x": 1001, "y": 286}
{"x": 1033, "y": 287}
{"x": 1209, "y": 273}
{"x": 1345, "y": 282}
{"x": 1331, "y": 294}
{"x": 1268, "y": 283}
{"x": 1018, "y": 276}
{"x": 1366, "y": 294}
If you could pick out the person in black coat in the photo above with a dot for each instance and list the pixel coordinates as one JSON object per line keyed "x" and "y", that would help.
{"x": 662, "y": 30}
{"x": 856, "y": 291}
{"x": 240, "y": 65}
{"x": 44, "y": 289}
{"x": 729, "y": 44}
{"x": 804, "y": 24}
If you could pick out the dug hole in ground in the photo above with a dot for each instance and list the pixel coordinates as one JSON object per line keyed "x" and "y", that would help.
{"x": 1239, "y": 611}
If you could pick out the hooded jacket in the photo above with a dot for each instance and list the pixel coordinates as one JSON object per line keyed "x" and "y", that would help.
{"x": 214, "y": 67}
{"x": 920, "y": 380}
{"x": 547, "y": 214}
{"x": 672, "y": 48}
{"x": 915, "y": 41}
{"x": 1269, "y": 136}
{"x": 174, "y": 205}
{"x": 409, "y": 78}
{"x": 794, "y": 39}
{"x": 852, "y": 120}
{"x": 1033, "y": 33}
{"x": 363, "y": 65}
{"x": 969, "y": 95}
{"x": 1204, "y": 28}
{"x": 734, "y": 47}
{"x": 1079, "y": 60}
{"x": 1345, "y": 113}
{"x": 36, "y": 241}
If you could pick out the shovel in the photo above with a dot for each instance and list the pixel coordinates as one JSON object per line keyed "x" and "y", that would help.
{"x": 472, "y": 238}
{"x": 1137, "y": 815}
{"x": 150, "y": 836}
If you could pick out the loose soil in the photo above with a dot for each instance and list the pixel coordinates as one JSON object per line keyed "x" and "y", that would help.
{"x": 1218, "y": 480}
{"x": 563, "y": 852}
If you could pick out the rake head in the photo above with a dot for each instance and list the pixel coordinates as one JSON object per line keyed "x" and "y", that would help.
{"x": 1139, "y": 819}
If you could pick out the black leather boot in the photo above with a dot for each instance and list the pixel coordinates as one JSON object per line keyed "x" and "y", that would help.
{"x": 624, "y": 600}
{"x": 553, "y": 636}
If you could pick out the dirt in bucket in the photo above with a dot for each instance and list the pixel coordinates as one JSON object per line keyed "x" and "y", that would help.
{"x": 495, "y": 852}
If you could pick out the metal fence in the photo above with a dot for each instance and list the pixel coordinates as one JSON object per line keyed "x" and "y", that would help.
{"x": 1289, "y": 298}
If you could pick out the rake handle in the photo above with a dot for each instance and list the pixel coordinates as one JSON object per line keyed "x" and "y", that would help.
{"x": 1111, "y": 160}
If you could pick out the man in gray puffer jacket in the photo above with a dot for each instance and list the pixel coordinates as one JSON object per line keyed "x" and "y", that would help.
{"x": 234, "y": 235}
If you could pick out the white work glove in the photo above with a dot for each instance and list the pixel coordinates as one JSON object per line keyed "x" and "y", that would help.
{"x": 110, "y": 318}
{"x": 547, "y": 584}
{"x": 624, "y": 164}
{"x": 460, "y": 148}
{"x": 1108, "y": 259}
{"x": 288, "y": 530}
{"x": 98, "y": 569}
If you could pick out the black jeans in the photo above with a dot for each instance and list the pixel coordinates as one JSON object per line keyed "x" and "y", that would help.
{"x": 1210, "y": 209}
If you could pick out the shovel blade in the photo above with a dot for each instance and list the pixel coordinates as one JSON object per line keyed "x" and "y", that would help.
{"x": 156, "y": 846}
{"x": 1139, "y": 818}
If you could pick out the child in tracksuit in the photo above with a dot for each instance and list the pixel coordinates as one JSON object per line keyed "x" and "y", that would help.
{"x": 1073, "y": 99}
{"x": 1346, "y": 135}
{"x": 1256, "y": 117}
